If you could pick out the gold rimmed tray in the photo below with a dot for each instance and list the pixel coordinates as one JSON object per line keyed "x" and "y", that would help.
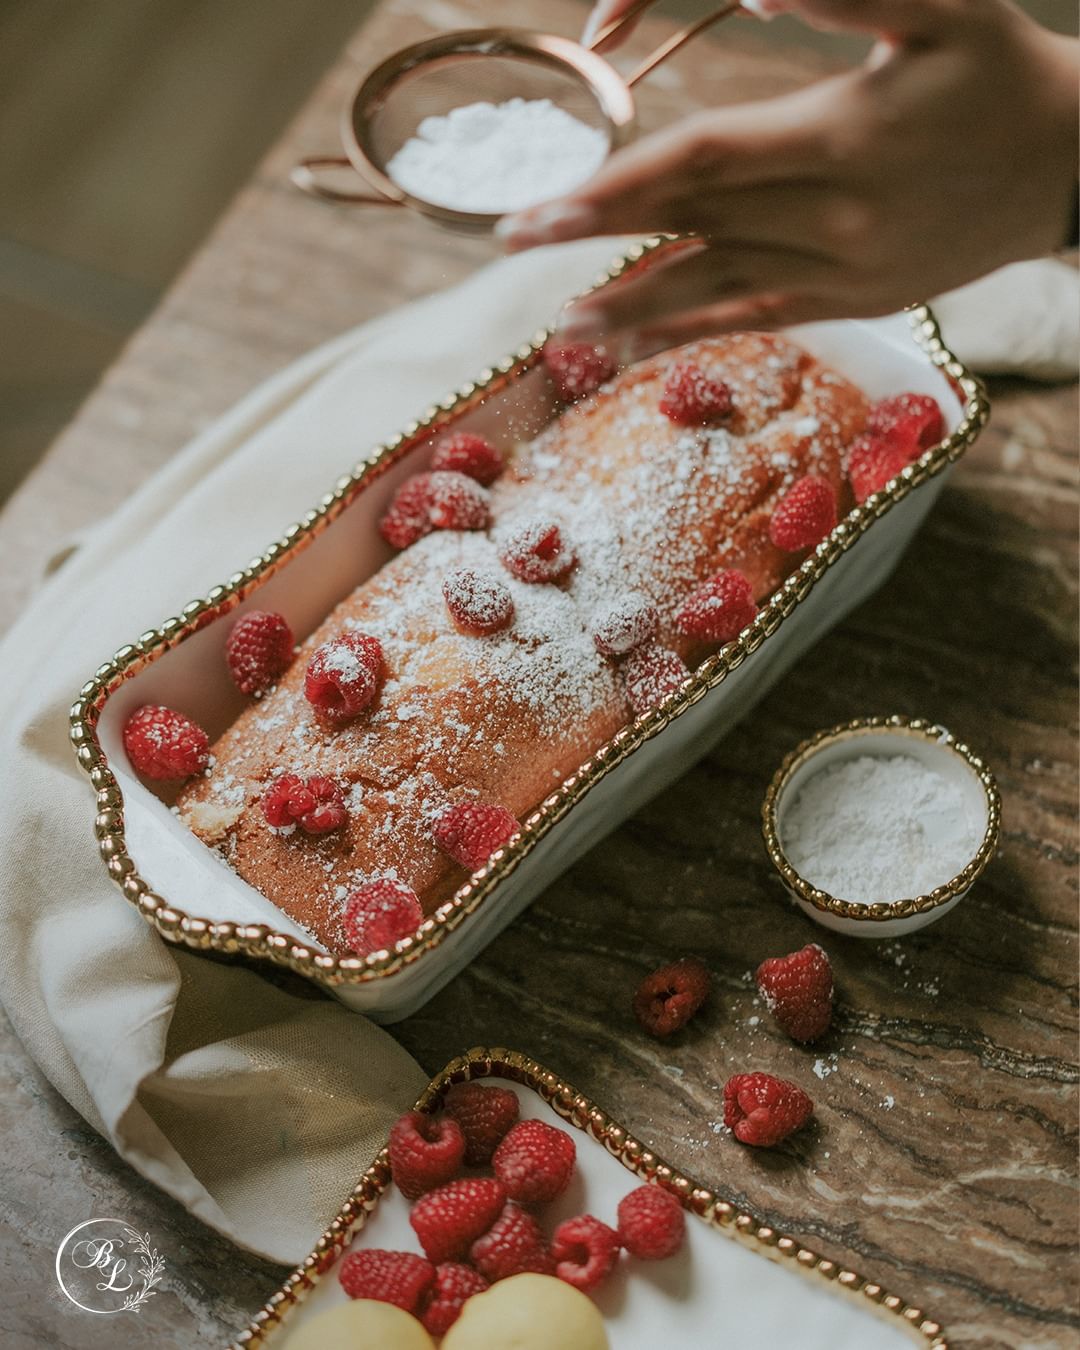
{"x": 718, "y": 1281}
{"x": 159, "y": 867}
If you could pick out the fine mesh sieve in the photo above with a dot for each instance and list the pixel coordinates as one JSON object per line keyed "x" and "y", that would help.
{"x": 491, "y": 65}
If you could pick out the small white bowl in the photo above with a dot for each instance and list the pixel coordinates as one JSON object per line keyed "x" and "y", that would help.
{"x": 934, "y": 747}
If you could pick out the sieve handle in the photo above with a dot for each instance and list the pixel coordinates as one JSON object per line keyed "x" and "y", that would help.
{"x": 305, "y": 176}
{"x": 668, "y": 48}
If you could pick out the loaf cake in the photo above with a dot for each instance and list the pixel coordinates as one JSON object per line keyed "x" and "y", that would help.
{"x": 633, "y": 537}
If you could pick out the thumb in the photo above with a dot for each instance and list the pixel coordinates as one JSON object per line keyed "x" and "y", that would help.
{"x": 901, "y": 19}
{"x": 604, "y": 12}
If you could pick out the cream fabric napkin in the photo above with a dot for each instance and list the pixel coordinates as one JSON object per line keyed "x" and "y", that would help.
{"x": 253, "y": 1107}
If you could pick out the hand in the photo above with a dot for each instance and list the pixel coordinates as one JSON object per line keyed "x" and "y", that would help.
{"x": 951, "y": 152}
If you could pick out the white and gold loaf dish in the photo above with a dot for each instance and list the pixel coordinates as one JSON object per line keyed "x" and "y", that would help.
{"x": 716, "y": 1291}
{"x": 936, "y": 749}
{"x": 191, "y": 898}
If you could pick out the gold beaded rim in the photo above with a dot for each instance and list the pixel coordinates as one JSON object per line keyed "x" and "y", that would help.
{"x": 578, "y": 1111}
{"x": 259, "y": 941}
{"x": 896, "y": 909}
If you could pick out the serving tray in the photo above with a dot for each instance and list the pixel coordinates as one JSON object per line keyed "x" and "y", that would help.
{"x": 716, "y": 1291}
{"x": 184, "y": 890}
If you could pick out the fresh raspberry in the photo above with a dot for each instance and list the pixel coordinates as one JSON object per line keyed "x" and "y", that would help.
{"x": 577, "y": 368}
{"x": 804, "y": 515}
{"x": 484, "y": 1114}
{"x": 425, "y": 1152}
{"x": 534, "y": 1162}
{"x": 652, "y": 1224}
{"x": 514, "y": 1245}
{"x": 668, "y": 998}
{"x": 458, "y": 502}
{"x": 692, "y": 399}
{"x": 471, "y": 455}
{"x": 478, "y": 602}
{"x": 408, "y": 517}
{"x": 652, "y": 674}
{"x": 401, "y": 1278}
{"x": 258, "y": 649}
{"x": 762, "y": 1110}
{"x": 380, "y": 913}
{"x": 163, "y": 744}
{"x": 343, "y": 676}
{"x": 440, "y": 500}
{"x": 315, "y": 804}
{"x": 585, "y": 1251}
{"x": 719, "y": 610}
{"x": 537, "y": 552}
{"x": 873, "y": 462}
{"x": 798, "y": 990}
{"x": 448, "y": 1221}
{"x": 624, "y": 625}
{"x": 913, "y": 422}
{"x": 470, "y": 832}
{"x": 454, "y": 1285}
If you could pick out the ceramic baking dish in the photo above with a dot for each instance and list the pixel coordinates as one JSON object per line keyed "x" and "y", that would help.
{"x": 183, "y": 889}
{"x": 717, "y": 1290}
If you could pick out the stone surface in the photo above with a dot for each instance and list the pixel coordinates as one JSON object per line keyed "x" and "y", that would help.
{"x": 943, "y": 1161}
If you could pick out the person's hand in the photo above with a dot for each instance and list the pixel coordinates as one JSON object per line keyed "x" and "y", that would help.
{"x": 951, "y": 152}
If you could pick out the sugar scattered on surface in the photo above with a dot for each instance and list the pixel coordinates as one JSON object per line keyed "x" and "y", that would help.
{"x": 496, "y": 157}
{"x": 880, "y": 828}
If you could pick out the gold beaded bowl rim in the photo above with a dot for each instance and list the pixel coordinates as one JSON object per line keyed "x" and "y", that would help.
{"x": 902, "y": 728}
{"x": 259, "y": 941}
{"x": 579, "y": 1112}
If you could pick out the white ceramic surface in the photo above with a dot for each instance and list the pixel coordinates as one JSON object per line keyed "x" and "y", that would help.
{"x": 935, "y": 755}
{"x": 879, "y": 355}
{"x": 715, "y": 1292}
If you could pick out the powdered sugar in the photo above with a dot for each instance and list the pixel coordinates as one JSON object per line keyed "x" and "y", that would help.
{"x": 880, "y": 828}
{"x": 497, "y": 157}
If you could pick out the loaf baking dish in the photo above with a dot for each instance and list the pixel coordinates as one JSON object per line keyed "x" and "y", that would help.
{"x": 718, "y": 1281}
{"x": 160, "y": 866}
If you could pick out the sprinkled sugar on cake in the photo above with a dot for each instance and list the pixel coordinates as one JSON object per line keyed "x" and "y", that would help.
{"x": 492, "y": 686}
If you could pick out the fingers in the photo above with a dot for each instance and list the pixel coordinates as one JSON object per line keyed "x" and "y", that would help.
{"x": 706, "y": 278}
{"x": 603, "y": 13}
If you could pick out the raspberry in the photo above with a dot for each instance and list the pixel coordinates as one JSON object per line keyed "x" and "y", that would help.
{"x": 478, "y": 602}
{"x": 470, "y": 832}
{"x": 407, "y": 518}
{"x": 514, "y": 1245}
{"x": 652, "y": 674}
{"x": 163, "y": 744}
{"x": 315, "y": 804}
{"x": 258, "y": 649}
{"x": 762, "y": 1110}
{"x": 454, "y": 1284}
{"x": 872, "y": 463}
{"x": 577, "y": 368}
{"x": 537, "y": 552}
{"x": 380, "y": 913}
{"x": 668, "y": 998}
{"x": 425, "y": 1152}
{"x": 804, "y": 515}
{"x": 652, "y": 1224}
{"x": 912, "y": 422}
{"x": 535, "y": 1162}
{"x": 457, "y": 502}
{"x": 798, "y": 989}
{"x": 719, "y": 610}
{"x": 692, "y": 399}
{"x": 401, "y": 1278}
{"x": 624, "y": 625}
{"x": 585, "y": 1251}
{"x": 343, "y": 676}
{"x": 448, "y": 1221}
{"x": 484, "y": 1114}
{"x": 468, "y": 454}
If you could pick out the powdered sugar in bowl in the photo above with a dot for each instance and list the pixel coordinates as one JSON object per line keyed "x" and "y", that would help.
{"x": 880, "y": 826}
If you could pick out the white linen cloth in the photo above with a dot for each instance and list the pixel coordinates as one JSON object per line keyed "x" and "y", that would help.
{"x": 253, "y": 1107}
